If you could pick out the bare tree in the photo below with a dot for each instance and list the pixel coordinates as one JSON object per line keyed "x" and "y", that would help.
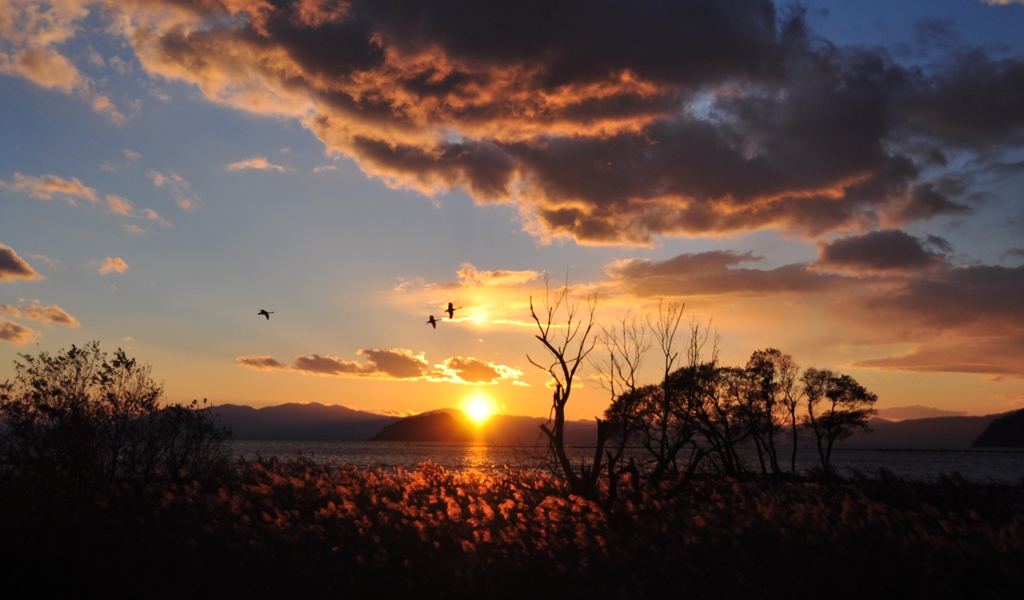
{"x": 625, "y": 347}
{"x": 564, "y": 330}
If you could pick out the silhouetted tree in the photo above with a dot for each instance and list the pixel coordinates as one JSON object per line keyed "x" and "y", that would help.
{"x": 568, "y": 343}
{"x": 764, "y": 403}
{"x": 81, "y": 419}
{"x": 836, "y": 407}
{"x": 625, "y": 347}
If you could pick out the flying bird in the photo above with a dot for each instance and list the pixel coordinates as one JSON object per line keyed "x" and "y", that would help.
{"x": 432, "y": 321}
{"x": 265, "y": 313}
{"x": 451, "y": 310}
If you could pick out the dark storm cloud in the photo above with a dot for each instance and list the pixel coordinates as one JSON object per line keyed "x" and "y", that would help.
{"x": 988, "y": 296}
{"x": 716, "y": 273}
{"x": 879, "y": 251}
{"x": 961, "y": 319}
{"x": 609, "y": 121}
{"x": 978, "y": 101}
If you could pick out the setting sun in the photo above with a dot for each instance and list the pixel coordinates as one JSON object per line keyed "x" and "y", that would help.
{"x": 479, "y": 407}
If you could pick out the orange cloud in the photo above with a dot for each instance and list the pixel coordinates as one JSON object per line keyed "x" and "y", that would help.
{"x": 460, "y": 369}
{"x": 257, "y": 162}
{"x": 119, "y": 205}
{"x": 16, "y": 334}
{"x": 743, "y": 119}
{"x": 261, "y": 363}
{"x": 394, "y": 363}
{"x": 49, "y": 314}
{"x": 47, "y": 186}
{"x": 113, "y": 265}
{"x": 179, "y": 187}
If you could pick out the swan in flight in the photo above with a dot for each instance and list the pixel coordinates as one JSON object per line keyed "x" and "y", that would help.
{"x": 265, "y": 313}
{"x": 451, "y": 310}
{"x": 432, "y": 321}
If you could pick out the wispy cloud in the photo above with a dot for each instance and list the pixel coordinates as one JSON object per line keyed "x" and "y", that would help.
{"x": 45, "y": 187}
{"x": 179, "y": 187}
{"x": 14, "y": 267}
{"x": 31, "y": 37}
{"x": 257, "y": 162}
{"x": 119, "y": 205}
{"x": 112, "y": 265}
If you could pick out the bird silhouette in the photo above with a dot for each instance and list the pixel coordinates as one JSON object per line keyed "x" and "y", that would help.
{"x": 432, "y": 321}
{"x": 451, "y": 310}
{"x": 265, "y": 313}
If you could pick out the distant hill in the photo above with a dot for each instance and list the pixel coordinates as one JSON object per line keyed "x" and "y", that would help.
{"x": 1005, "y": 431}
{"x": 903, "y": 413}
{"x": 315, "y": 421}
{"x": 452, "y": 425}
{"x": 294, "y": 421}
{"x": 937, "y": 433}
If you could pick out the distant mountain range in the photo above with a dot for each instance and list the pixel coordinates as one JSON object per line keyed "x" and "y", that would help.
{"x": 316, "y": 421}
{"x": 293, "y": 421}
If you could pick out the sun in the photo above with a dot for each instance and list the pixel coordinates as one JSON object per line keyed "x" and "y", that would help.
{"x": 479, "y": 407}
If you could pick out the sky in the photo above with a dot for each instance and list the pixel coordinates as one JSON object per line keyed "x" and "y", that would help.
{"x": 843, "y": 181}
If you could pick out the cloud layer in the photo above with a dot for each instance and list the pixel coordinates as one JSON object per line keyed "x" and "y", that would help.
{"x": 395, "y": 363}
{"x": 884, "y": 287}
{"x": 608, "y": 122}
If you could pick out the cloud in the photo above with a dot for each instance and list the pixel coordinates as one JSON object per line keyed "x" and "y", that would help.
{"x": 471, "y": 370}
{"x": 49, "y": 314}
{"x": 875, "y": 292}
{"x": 693, "y": 118}
{"x": 256, "y": 162}
{"x": 16, "y": 334}
{"x": 994, "y": 356}
{"x": 148, "y": 213}
{"x": 31, "y": 35}
{"x": 44, "y": 67}
{"x": 697, "y": 118}
{"x": 14, "y": 267}
{"x": 47, "y": 186}
{"x": 384, "y": 364}
{"x": 716, "y": 273}
{"x": 11, "y": 311}
{"x": 470, "y": 276}
{"x": 879, "y": 251}
{"x": 394, "y": 363}
{"x": 119, "y": 205}
{"x": 261, "y": 363}
{"x": 179, "y": 187}
{"x": 53, "y": 264}
{"x": 113, "y": 265}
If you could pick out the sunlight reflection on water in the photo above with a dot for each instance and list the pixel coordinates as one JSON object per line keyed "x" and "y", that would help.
{"x": 976, "y": 465}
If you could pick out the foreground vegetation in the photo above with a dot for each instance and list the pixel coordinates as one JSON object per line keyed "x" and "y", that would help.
{"x": 273, "y": 528}
{"x": 105, "y": 488}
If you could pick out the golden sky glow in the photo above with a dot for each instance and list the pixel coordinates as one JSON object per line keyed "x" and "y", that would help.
{"x": 812, "y": 181}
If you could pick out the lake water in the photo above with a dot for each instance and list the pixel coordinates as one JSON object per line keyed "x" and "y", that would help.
{"x": 977, "y": 465}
